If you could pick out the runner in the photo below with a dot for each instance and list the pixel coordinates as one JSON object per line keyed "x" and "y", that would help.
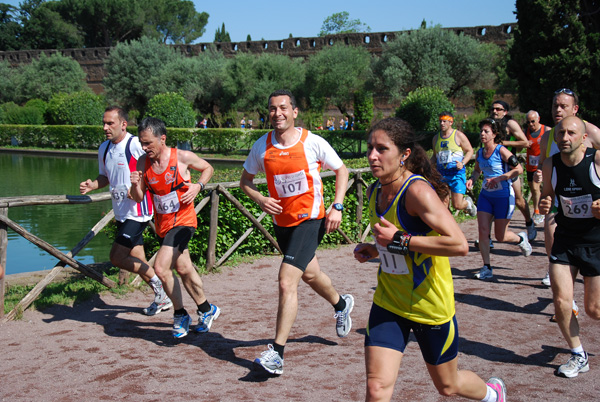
{"x": 291, "y": 158}
{"x": 414, "y": 236}
{"x": 117, "y": 157}
{"x": 165, "y": 173}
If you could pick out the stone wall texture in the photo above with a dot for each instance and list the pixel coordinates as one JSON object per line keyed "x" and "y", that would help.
{"x": 92, "y": 59}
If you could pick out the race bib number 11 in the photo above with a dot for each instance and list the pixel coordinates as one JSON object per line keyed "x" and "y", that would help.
{"x": 394, "y": 264}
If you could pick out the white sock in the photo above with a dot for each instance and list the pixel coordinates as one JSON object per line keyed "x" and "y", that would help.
{"x": 491, "y": 396}
{"x": 154, "y": 279}
{"x": 578, "y": 350}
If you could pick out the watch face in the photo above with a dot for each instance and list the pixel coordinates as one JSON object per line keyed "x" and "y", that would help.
{"x": 338, "y": 206}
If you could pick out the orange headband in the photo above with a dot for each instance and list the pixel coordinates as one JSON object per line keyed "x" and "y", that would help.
{"x": 448, "y": 118}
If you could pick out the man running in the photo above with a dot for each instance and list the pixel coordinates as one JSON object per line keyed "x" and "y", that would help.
{"x": 291, "y": 158}
{"x": 164, "y": 171}
{"x": 573, "y": 177}
{"x": 117, "y": 157}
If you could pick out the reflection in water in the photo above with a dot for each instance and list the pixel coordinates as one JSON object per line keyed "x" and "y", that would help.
{"x": 63, "y": 226}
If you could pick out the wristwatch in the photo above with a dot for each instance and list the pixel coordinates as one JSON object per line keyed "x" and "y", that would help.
{"x": 337, "y": 206}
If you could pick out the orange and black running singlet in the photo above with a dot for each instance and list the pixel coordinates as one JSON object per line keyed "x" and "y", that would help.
{"x": 167, "y": 189}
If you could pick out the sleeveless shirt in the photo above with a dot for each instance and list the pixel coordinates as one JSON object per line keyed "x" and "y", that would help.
{"x": 448, "y": 152}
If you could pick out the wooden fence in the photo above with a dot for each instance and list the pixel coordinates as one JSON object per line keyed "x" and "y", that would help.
{"x": 214, "y": 193}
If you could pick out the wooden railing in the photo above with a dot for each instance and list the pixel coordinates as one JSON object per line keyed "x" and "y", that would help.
{"x": 214, "y": 192}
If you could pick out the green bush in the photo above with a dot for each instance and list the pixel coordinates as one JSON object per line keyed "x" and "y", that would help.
{"x": 422, "y": 107}
{"x": 15, "y": 114}
{"x": 173, "y": 109}
{"x": 483, "y": 99}
{"x": 77, "y": 108}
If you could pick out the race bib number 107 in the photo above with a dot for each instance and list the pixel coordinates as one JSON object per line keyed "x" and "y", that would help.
{"x": 291, "y": 184}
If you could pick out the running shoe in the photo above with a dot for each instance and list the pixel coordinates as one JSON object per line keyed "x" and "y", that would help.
{"x": 156, "y": 308}
{"x": 343, "y": 322}
{"x": 538, "y": 219}
{"x": 576, "y": 364}
{"x": 546, "y": 280}
{"x": 575, "y": 311}
{"x": 270, "y": 361}
{"x": 524, "y": 244}
{"x": 485, "y": 273}
{"x": 471, "y": 207}
{"x": 181, "y": 325}
{"x": 497, "y": 385}
{"x": 531, "y": 232}
{"x": 205, "y": 320}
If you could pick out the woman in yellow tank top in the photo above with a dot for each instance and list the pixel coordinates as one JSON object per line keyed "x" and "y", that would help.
{"x": 414, "y": 235}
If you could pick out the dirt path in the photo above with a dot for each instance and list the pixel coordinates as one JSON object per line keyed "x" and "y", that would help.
{"x": 105, "y": 350}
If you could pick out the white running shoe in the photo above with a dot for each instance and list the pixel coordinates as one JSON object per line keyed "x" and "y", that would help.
{"x": 524, "y": 244}
{"x": 576, "y": 364}
{"x": 343, "y": 322}
{"x": 270, "y": 361}
{"x": 471, "y": 207}
{"x": 546, "y": 280}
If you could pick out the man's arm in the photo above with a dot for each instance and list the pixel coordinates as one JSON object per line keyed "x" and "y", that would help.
{"x": 537, "y": 176}
{"x": 138, "y": 187}
{"x": 515, "y": 130}
{"x": 334, "y": 218}
{"x": 547, "y": 195}
{"x": 267, "y": 204}
{"x": 433, "y": 155}
{"x": 193, "y": 161}
{"x": 90, "y": 185}
{"x": 593, "y": 135}
{"x": 465, "y": 145}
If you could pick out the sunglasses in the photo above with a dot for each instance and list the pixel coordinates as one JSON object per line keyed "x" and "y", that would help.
{"x": 565, "y": 91}
{"x": 499, "y": 109}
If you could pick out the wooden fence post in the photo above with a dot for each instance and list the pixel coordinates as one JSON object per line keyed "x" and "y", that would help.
{"x": 3, "y": 247}
{"x": 360, "y": 202}
{"x": 212, "y": 231}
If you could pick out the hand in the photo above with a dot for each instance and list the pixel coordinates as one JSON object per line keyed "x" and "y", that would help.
{"x": 136, "y": 177}
{"x": 459, "y": 165}
{"x": 270, "y": 205}
{"x": 596, "y": 209}
{"x": 384, "y": 232}
{"x": 469, "y": 184}
{"x": 190, "y": 195}
{"x": 546, "y": 204}
{"x": 364, "y": 252}
{"x": 333, "y": 220}
{"x": 537, "y": 176}
{"x": 529, "y": 144}
{"x": 86, "y": 186}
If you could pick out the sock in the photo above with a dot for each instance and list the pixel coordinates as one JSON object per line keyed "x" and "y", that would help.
{"x": 154, "y": 279}
{"x": 491, "y": 396}
{"x": 578, "y": 350}
{"x": 181, "y": 311}
{"x": 487, "y": 265}
{"x": 529, "y": 223}
{"x": 204, "y": 307}
{"x": 340, "y": 305}
{"x": 520, "y": 241}
{"x": 279, "y": 349}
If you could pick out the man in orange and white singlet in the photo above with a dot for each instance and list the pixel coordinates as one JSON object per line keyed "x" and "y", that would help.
{"x": 165, "y": 172}
{"x": 291, "y": 158}
{"x": 535, "y": 131}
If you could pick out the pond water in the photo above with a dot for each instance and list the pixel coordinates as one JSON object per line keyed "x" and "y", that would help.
{"x": 63, "y": 226}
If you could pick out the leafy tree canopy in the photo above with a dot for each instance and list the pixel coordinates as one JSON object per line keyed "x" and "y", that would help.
{"x": 557, "y": 45}
{"x": 338, "y": 23}
{"x": 221, "y": 35}
{"x": 436, "y": 58}
{"x": 335, "y": 73}
{"x": 9, "y": 27}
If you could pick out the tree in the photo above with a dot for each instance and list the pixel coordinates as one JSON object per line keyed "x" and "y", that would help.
{"x": 422, "y": 107}
{"x": 8, "y": 83}
{"x": 199, "y": 79}
{"x": 251, "y": 79}
{"x": 130, "y": 68}
{"x": 9, "y": 28}
{"x": 433, "y": 57}
{"x": 556, "y": 45}
{"x": 175, "y": 21}
{"x": 339, "y": 23}
{"x": 48, "y": 75}
{"x": 222, "y": 35}
{"x": 173, "y": 109}
{"x": 335, "y": 73}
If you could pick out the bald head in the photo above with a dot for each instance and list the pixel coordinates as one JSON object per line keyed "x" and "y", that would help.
{"x": 570, "y": 134}
{"x": 533, "y": 121}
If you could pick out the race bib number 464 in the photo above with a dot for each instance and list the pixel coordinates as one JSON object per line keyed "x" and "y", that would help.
{"x": 291, "y": 184}
{"x": 167, "y": 203}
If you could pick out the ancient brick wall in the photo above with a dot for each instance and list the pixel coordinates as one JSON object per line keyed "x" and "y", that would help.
{"x": 92, "y": 59}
